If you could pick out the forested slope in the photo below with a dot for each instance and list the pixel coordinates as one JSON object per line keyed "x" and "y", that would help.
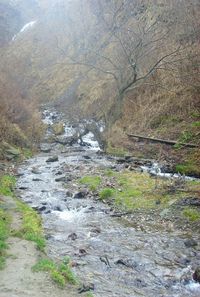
{"x": 135, "y": 64}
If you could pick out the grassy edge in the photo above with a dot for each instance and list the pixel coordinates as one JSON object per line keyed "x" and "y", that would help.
{"x": 61, "y": 273}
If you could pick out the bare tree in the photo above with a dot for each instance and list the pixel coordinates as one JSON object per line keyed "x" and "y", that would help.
{"x": 126, "y": 45}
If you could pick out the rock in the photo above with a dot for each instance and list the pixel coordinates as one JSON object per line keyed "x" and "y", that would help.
{"x": 58, "y": 208}
{"x": 73, "y": 236}
{"x": 193, "y": 201}
{"x": 42, "y": 208}
{"x": 23, "y": 188}
{"x": 82, "y": 252}
{"x": 66, "y": 140}
{"x": 80, "y": 195}
{"x": 52, "y": 159}
{"x": 36, "y": 179}
{"x": 190, "y": 243}
{"x": 69, "y": 194}
{"x": 35, "y": 170}
{"x": 45, "y": 148}
{"x": 139, "y": 283}
{"x": 105, "y": 260}
{"x": 58, "y": 128}
{"x": 59, "y": 173}
{"x": 87, "y": 157}
{"x": 61, "y": 179}
{"x": 128, "y": 263}
{"x": 196, "y": 275}
{"x": 86, "y": 288}
{"x": 96, "y": 230}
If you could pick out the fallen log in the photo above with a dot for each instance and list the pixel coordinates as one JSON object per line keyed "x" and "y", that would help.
{"x": 170, "y": 142}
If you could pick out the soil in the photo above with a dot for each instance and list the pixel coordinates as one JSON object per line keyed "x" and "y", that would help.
{"x": 17, "y": 278}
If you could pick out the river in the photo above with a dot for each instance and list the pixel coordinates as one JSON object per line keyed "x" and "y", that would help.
{"x": 117, "y": 258}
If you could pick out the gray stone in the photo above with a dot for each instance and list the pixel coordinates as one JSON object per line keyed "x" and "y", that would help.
{"x": 52, "y": 159}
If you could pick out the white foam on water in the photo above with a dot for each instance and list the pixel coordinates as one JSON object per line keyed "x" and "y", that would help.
{"x": 90, "y": 139}
{"x": 73, "y": 215}
{"x": 193, "y": 286}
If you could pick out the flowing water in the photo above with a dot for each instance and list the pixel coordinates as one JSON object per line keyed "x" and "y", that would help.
{"x": 109, "y": 253}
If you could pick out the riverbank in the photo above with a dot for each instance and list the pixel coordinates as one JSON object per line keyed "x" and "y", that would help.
{"x": 117, "y": 224}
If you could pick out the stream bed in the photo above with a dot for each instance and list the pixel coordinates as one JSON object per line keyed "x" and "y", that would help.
{"x": 112, "y": 256}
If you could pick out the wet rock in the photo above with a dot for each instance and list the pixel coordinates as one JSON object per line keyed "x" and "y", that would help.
{"x": 36, "y": 179}
{"x": 128, "y": 263}
{"x": 139, "y": 283}
{"x": 196, "y": 275}
{"x": 58, "y": 208}
{"x": 87, "y": 157}
{"x": 190, "y": 243}
{"x": 66, "y": 140}
{"x": 86, "y": 288}
{"x": 35, "y": 170}
{"x": 105, "y": 260}
{"x": 69, "y": 194}
{"x": 61, "y": 179}
{"x": 82, "y": 252}
{"x": 42, "y": 208}
{"x": 59, "y": 173}
{"x": 96, "y": 230}
{"x": 45, "y": 148}
{"x": 73, "y": 236}
{"x": 52, "y": 159}
{"x": 23, "y": 188}
{"x": 80, "y": 195}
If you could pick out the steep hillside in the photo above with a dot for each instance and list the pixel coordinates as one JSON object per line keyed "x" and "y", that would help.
{"x": 134, "y": 64}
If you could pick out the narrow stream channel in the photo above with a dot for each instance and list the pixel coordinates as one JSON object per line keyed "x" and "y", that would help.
{"x": 118, "y": 259}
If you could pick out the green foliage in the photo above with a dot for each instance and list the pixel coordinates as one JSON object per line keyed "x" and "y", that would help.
{"x": 196, "y": 124}
{"x": 185, "y": 137}
{"x": 89, "y": 294}
{"x": 31, "y": 226}
{"x": 7, "y": 183}
{"x": 188, "y": 168}
{"x": 44, "y": 265}
{"x": 4, "y": 233}
{"x": 106, "y": 193}
{"x": 91, "y": 181}
{"x": 60, "y": 273}
{"x": 191, "y": 214}
{"x": 58, "y": 278}
{"x": 109, "y": 172}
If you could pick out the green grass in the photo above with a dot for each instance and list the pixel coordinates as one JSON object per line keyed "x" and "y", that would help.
{"x": 140, "y": 191}
{"x": 91, "y": 181}
{"x": 196, "y": 124}
{"x": 106, "y": 193}
{"x": 89, "y": 294}
{"x": 4, "y": 233}
{"x": 61, "y": 273}
{"x": 109, "y": 172}
{"x": 31, "y": 226}
{"x": 188, "y": 168}
{"x": 191, "y": 214}
{"x": 7, "y": 183}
